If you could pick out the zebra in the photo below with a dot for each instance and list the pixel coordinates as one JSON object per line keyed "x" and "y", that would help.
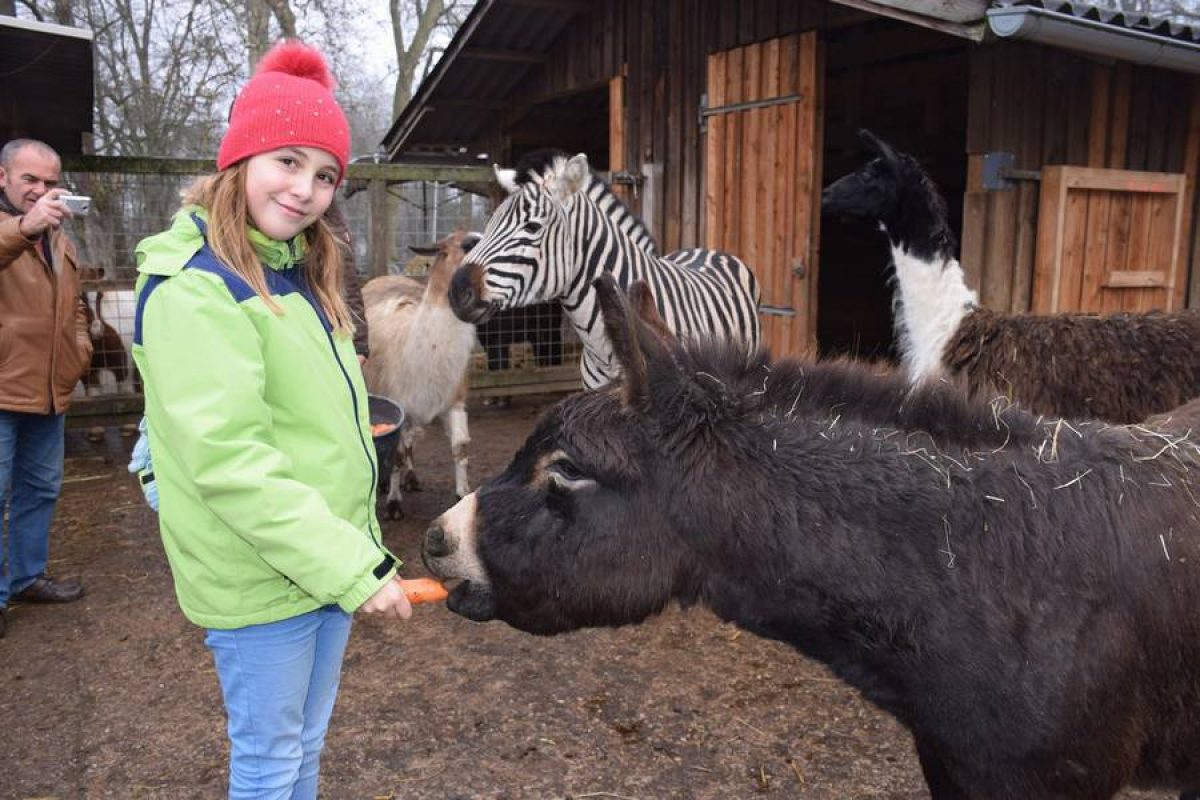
{"x": 560, "y": 228}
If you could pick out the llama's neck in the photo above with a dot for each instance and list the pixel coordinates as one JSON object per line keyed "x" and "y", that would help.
{"x": 437, "y": 287}
{"x": 931, "y": 300}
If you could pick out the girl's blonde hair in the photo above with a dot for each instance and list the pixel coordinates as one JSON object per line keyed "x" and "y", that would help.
{"x": 223, "y": 195}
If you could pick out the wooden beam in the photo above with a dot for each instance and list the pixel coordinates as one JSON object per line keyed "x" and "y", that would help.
{"x": 379, "y": 235}
{"x": 468, "y": 102}
{"x": 974, "y": 30}
{"x": 510, "y": 56}
{"x": 560, "y": 5}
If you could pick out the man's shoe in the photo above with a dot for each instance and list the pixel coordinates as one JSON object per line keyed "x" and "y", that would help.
{"x": 45, "y": 589}
{"x": 3, "y": 623}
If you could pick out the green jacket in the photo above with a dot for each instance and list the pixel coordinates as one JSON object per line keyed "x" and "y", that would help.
{"x": 260, "y": 433}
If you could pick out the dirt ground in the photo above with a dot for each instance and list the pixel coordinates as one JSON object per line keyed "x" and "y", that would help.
{"x": 116, "y": 697}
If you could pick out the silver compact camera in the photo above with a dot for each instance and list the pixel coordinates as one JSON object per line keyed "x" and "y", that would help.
{"x": 80, "y": 204}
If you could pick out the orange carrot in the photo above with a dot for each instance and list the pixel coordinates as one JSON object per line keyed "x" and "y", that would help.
{"x": 423, "y": 590}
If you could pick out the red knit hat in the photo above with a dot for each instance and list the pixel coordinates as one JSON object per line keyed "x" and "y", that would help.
{"x": 288, "y": 103}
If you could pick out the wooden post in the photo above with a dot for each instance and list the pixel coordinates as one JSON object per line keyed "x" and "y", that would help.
{"x": 377, "y": 254}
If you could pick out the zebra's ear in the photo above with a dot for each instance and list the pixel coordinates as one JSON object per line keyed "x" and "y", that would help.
{"x": 507, "y": 178}
{"x": 573, "y": 177}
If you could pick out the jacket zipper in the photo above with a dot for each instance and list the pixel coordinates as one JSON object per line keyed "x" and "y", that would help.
{"x": 358, "y": 428}
{"x": 53, "y": 304}
{"x": 353, "y": 400}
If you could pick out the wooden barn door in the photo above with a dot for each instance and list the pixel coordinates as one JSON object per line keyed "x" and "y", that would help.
{"x": 1109, "y": 240}
{"x": 762, "y": 177}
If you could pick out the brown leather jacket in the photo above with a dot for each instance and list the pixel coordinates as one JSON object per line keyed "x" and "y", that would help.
{"x": 44, "y": 342}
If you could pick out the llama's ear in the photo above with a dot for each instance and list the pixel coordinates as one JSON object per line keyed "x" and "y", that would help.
{"x": 879, "y": 146}
{"x": 425, "y": 249}
{"x": 507, "y": 178}
{"x": 470, "y": 239}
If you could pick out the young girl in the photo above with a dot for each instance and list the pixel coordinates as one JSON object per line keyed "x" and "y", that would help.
{"x": 259, "y": 427}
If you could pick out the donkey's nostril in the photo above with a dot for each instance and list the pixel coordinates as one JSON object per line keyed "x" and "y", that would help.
{"x": 435, "y": 542}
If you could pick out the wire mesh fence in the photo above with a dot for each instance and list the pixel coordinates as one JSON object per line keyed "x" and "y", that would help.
{"x": 519, "y": 351}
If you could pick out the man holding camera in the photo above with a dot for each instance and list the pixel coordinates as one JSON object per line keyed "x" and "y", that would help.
{"x": 44, "y": 350}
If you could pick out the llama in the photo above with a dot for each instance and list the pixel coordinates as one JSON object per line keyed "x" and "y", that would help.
{"x": 420, "y": 352}
{"x": 1117, "y": 367}
{"x": 1027, "y": 612}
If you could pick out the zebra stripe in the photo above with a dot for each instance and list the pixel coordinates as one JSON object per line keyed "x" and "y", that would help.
{"x": 562, "y": 227}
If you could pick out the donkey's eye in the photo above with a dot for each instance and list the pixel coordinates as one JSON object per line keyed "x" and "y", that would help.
{"x": 533, "y": 226}
{"x": 565, "y": 475}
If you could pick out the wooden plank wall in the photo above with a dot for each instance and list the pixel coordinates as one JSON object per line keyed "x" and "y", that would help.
{"x": 663, "y": 46}
{"x": 1030, "y": 100}
{"x": 761, "y": 181}
{"x": 1109, "y": 240}
{"x": 1045, "y": 105}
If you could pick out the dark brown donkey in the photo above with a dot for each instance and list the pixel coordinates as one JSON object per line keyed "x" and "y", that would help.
{"x": 1022, "y": 594}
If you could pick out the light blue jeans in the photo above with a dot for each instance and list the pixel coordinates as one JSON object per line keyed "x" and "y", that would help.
{"x": 279, "y": 681}
{"x": 31, "y": 472}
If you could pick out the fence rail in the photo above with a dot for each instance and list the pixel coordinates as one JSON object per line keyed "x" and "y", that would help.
{"x": 388, "y": 207}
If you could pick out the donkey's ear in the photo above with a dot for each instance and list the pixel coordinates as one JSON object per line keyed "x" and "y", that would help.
{"x": 878, "y": 146}
{"x": 507, "y": 178}
{"x": 621, "y": 327}
{"x": 642, "y": 300}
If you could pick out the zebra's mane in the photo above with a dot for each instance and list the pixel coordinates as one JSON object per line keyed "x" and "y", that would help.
{"x": 539, "y": 163}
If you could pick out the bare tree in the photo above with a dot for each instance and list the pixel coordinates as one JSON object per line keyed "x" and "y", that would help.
{"x": 258, "y": 16}
{"x": 419, "y": 21}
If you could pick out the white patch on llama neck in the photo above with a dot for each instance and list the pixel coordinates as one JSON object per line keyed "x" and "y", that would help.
{"x": 933, "y": 301}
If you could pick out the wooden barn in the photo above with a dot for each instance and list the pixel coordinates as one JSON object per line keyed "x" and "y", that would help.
{"x": 1066, "y": 138}
{"x": 48, "y": 92}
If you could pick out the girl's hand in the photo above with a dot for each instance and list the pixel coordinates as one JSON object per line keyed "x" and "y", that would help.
{"x": 389, "y": 601}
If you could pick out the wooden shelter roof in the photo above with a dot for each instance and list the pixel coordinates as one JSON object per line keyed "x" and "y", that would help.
{"x": 502, "y": 41}
{"x": 47, "y": 74}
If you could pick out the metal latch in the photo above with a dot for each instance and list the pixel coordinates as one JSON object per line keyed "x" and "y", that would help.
{"x": 1000, "y": 172}
{"x": 624, "y": 177}
{"x": 705, "y": 112}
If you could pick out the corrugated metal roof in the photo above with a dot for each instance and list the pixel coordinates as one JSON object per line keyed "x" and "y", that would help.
{"x": 1157, "y": 25}
{"x": 493, "y": 51}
